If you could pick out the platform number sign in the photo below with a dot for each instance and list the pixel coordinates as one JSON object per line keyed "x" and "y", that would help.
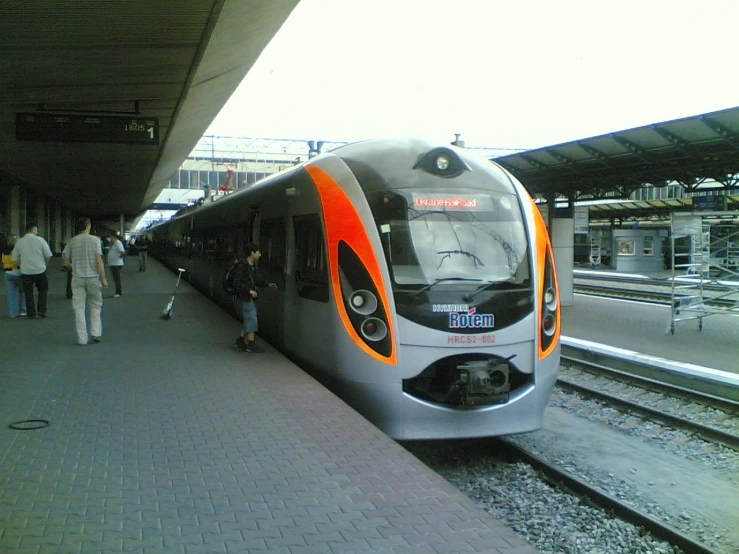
{"x": 140, "y": 126}
{"x": 46, "y": 127}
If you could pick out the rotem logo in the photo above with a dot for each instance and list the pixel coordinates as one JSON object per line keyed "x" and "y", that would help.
{"x": 471, "y": 320}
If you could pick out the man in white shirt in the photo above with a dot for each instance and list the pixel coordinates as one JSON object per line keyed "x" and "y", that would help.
{"x": 32, "y": 253}
{"x": 116, "y": 256}
{"x": 84, "y": 256}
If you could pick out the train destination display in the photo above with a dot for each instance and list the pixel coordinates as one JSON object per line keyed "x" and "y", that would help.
{"x": 47, "y": 127}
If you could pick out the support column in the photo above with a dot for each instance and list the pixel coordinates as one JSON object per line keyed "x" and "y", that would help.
{"x": 563, "y": 245}
{"x": 17, "y": 211}
{"x": 67, "y": 225}
{"x": 121, "y": 226}
{"x": 42, "y": 217}
{"x": 614, "y": 247}
{"x": 56, "y": 229}
{"x": 4, "y": 211}
{"x": 551, "y": 199}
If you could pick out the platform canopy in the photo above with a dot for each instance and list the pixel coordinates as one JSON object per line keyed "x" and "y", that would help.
{"x": 628, "y": 210}
{"x": 102, "y": 100}
{"x": 699, "y": 153}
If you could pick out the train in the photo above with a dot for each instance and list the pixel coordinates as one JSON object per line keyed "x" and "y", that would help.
{"x": 415, "y": 280}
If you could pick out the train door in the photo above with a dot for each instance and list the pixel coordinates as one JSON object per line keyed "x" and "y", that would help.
{"x": 273, "y": 244}
{"x": 245, "y": 229}
{"x": 253, "y": 221}
{"x": 240, "y": 240}
{"x": 309, "y": 315}
{"x": 291, "y": 306}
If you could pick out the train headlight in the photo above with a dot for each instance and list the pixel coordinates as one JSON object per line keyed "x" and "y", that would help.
{"x": 442, "y": 162}
{"x": 363, "y": 302}
{"x": 550, "y": 299}
{"x": 549, "y": 325}
{"x": 366, "y": 316}
{"x": 373, "y": 329}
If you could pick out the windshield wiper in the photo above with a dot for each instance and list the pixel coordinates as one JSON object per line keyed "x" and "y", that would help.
{"x": 470, "y": 295}
{"x": 427, "y": 287}
{"x": 463, "y": 252}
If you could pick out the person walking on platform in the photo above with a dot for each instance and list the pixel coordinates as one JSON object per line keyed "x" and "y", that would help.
{"x": 13, "y": 277}
{"x": 32, "y": 253}
{"x": 105, "y": 245}
{"x": 142, "y": 246}
{"x": 116, "y": 257}
{"x": 246, "y": 281}
{"x": 84, "y": 256}
{"x": 68, "y": 273}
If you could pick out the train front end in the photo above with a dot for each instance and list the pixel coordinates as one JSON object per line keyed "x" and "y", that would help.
{"x": 474, "y": 292}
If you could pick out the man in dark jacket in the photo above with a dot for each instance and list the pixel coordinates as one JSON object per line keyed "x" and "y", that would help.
{"x": 142, "y": 249}
{"x": 246, "y": 281}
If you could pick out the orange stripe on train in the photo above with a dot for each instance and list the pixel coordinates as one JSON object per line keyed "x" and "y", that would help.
{"x": 344, "y": 223}
{"x": 544, "y": 246}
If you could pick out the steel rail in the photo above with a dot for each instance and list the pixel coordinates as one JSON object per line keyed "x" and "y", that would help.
{"x": 644, "y": 295}
{"x": 568, "y": 481}
{"x": 703, "y": 431}
{"x": 661, "y": 282}
{"x": 653, "y": 384}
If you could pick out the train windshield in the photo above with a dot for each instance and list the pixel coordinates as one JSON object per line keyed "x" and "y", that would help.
{"x": 451, "y": 236}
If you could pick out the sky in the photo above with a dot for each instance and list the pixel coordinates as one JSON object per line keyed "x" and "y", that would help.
{"x": 517, "y": 74}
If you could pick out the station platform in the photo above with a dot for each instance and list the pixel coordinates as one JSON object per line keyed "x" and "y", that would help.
{"x": 645, "y": 328}
{"x": 163, "y": 438}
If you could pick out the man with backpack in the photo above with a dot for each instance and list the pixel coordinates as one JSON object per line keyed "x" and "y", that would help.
{"x": 245, "y": 283}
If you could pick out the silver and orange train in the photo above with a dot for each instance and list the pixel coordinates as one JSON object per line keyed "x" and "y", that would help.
{"x": 416, "y": 281}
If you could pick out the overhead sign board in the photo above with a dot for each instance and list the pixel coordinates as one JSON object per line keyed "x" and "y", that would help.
{"x": 711, "y": 203}
{"x": 582, "y": 220}
{"x": 47, "y": 127}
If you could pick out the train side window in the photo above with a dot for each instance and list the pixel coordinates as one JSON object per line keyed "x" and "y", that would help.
{"x": 311, "y": 268}
{"x": 223, "y": 246}
{"x": 210, "y": 246}
{"x": 272, "y": 242}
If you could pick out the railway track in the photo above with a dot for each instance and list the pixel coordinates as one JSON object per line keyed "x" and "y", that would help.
{"x": 622, "y": 509}
{"x": 648, "y": 398}
{"x": 650, "y": 391}
{"x": 706, "y": 410}
{"x": 551, "y": 473}
{"x": 644, "y": 295}
{"x": 711, "y": 419}
{"x": 570, "y": 477}
{"x": 642, "y": 280}
{"x": 701, "y": 401}
{"x": 717, "y": 293}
